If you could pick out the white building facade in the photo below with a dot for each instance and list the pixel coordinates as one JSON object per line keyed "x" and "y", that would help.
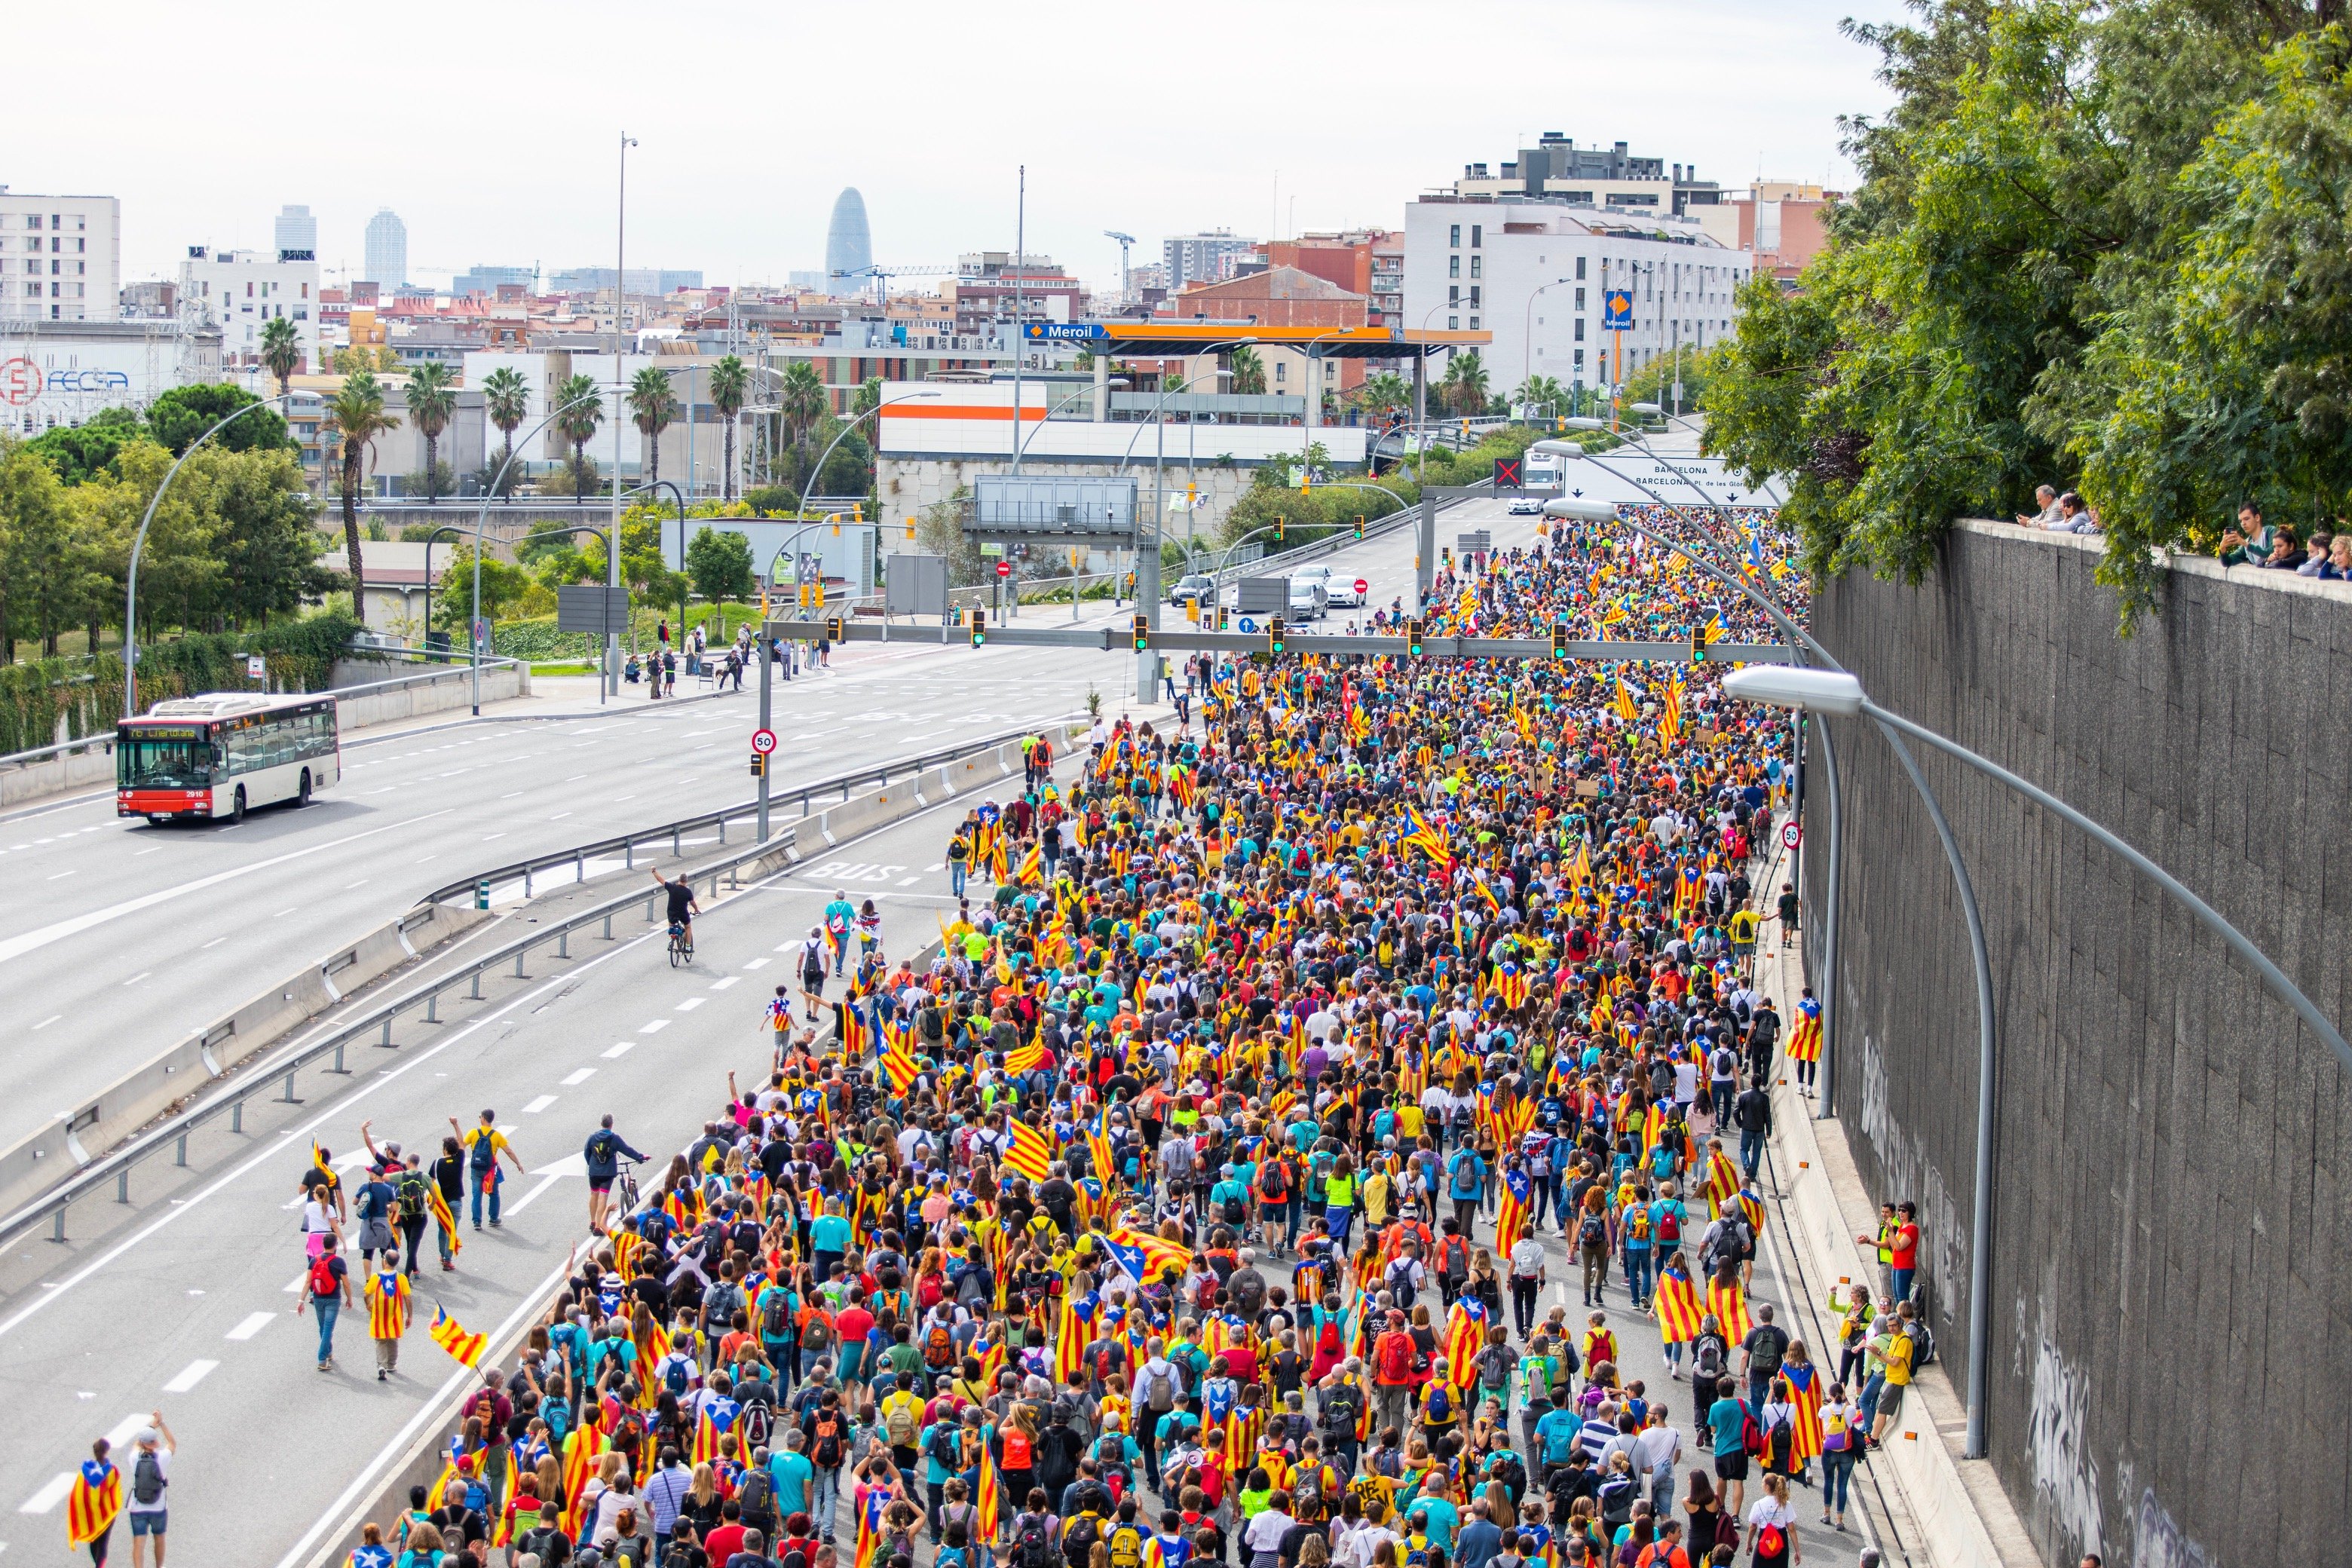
{"x": 1537, "y": 275}
{"x": 240, "y": 291}
{"x": 387, "y": 250}
{"x": 1205, "y": 257}
{"x": 60, "y": 258}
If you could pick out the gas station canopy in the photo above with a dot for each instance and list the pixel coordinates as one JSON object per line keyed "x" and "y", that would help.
{"x": 1171, "y": 340}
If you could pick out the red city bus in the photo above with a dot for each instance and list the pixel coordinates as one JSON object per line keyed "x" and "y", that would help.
{"x": 222, "y": 752}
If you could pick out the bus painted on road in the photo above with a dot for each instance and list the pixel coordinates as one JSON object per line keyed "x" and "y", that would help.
{"x": 223, "y": 753}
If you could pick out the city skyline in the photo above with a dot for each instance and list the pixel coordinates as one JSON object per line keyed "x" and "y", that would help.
{"x": 1726, "y": 89}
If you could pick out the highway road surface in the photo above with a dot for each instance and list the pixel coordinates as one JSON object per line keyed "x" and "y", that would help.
{"x": 184, "y": 1298}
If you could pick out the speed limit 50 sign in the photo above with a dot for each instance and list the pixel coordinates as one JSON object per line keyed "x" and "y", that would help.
{"x": 763, "y": 741}
{"x": 1791, "y": 836}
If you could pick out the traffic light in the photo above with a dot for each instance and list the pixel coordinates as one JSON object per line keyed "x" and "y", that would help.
{"x": 1698, "y": 645}
{"x": 1273, "y": 635}
{"x": 1305, "y": 478}
{"x": 1412, "y": 637}
{"x": 759, "y": 765}
{"x": 1359, "y": 525}
{"x": 979, "y": 626}
{"x": 832, "y": 628}
{"x": 1278, "y": 528}
{"x": 1143, "y": 632}
{"x": 1559, "y": 640}
{"x": 816, "y": 594}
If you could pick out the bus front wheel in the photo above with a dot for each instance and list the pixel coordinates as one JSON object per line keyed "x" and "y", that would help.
{"x": 304, "y": 797}
{"x": 237, "y": 811}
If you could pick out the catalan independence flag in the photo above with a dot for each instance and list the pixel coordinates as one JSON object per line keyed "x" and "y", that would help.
{"x": 92, "y": 1504}
{"x": 1805, "y": 1040}
{"x": 1145, "y": 1256}
{"x": 1729, "y": 1305}
{"x": 1029, "y": 1155}
{"x": 984, "y": 1506}
{"x": 438, "y": 1207}
{"x": 1022, "y": 1060}
{"x": 1466, "y": 1336}
{"x": 901, "y": 1066}
{"x": 451, "y": 1336}
{"x": 1676, "y": 1305}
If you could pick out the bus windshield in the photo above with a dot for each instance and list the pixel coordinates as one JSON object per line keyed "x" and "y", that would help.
{"x": 162, "y": 762}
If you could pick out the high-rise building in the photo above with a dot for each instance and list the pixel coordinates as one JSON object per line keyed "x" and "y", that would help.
{"x": 387, "y": 249}
{"x": 484, "y": 279}
{"x": 298, "y": 234}
{"x": 848, "y": 245}
{"x": 60, "y": 257}
{"x": 1205, "y": 257}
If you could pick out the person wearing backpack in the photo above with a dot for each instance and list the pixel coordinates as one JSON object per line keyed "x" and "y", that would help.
{"x": 1772, "y": 1527}
{"x": 327, "y": 1292}
{"x": 411, "y": 1208}
{"x": 1592, "y": 1247}
{"x": 1034, "y": 1542}
{"x": 149, "y": 1477}
{"x": 1273, "y": 1183}
{"x": 1395, "y": 1357}
{"x": 1158, "y": 1386}
{"x": 902, "y": 1426}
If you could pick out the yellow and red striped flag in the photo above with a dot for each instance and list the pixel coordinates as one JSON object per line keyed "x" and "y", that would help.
{"x": 451, "y": 1336}
{"x": 984, "y": 1507}
{"x": 93, "y": 1503}
{"x": 1676, "y": 1307}
{"x": 1029, "y": 1155}
{"x": 1729, "y": 1305}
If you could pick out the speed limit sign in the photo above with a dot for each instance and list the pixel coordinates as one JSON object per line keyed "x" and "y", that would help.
{"x": 763, "y": 741}
{"x": 1792, "y": 835}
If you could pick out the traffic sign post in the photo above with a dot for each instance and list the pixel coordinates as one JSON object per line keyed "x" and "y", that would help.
{"x": 763, "y": 741}
{"x": 1792, "y": 835}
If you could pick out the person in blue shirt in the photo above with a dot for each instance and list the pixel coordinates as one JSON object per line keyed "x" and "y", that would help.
{"x": 829, "y": 1239}
{"x": 1728, "y": 1417}
{"x": 793, "y": 1475}
{"x": 1468, "y": 1185}
{"x": 1557, "y": 1432}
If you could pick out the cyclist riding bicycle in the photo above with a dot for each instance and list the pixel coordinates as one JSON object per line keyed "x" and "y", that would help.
{"x": 840, "y": 916}
{"x": 682, "y": 905}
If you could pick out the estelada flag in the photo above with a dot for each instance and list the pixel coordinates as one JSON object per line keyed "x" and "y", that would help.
{"x": 91, "y": 1505}
{"x": 438, "y": 1207}
{"x": 451, "y": 1336}
{"x": 984, "y": 1507}
{"x": 1029, "y": 1155}
{"x": 1729, "y": 1305}
{"x": 1675, "y": 1306}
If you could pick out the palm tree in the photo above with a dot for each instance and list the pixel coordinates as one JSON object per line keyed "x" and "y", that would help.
{"x": 1249, "y": 372}
{"x": 1466, "y": 384}
{"x": 1541, "y": 392}
{"x": 506, "y": 399}
{"x": 356, "y": 414}
{"x": 281, "y": 350}
{"x": 730, "y": 382}
{"x": 802, "y": 400}
{"x": 432, "y": 402}
{"x": 652, "y": 405}
{"x": 1385, "y": 392}
{"x": 583, "y": 411}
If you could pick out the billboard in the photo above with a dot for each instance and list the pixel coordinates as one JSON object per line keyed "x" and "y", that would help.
{"x": 1025, "y": 506}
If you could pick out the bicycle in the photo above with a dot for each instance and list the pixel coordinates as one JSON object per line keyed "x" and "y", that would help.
{"x": 625, "y": 1186}
{"x": 681, "y": 944}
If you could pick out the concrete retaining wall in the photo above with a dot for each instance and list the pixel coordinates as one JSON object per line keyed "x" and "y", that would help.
{"x": 2171, "y": 1342}
{"x": 38, "y": 1163}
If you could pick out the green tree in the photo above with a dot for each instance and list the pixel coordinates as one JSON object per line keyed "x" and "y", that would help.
{"x": 281, "y": 351}
{"x": 181, "y": 415}
{"x": 41, "y": 578}
{"x": 1463, "y": 386}
{"x": 1541, "y": 394}
{"x": 504, "y": 584}
{"x": 78, "y": 451}
{"x": 506, "y": 399}
{"x": 802, "y": 400}
{"x": 432, "y": 402}
{"x": 730, "y": 382}
{"x": 719, "y": 562}
{"x": 583, "y": 412}
{"x": 651, "y": 406}
{"x": 1384, "y": 394}
{"x": 262, "y": 534}
{"x": 1249, "y": 372}
{"x": 356, "y": 414}
{"x": 869, "y": 395}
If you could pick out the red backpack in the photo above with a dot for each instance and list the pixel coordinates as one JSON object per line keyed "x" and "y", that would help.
{"x": 1396, "y": 1358}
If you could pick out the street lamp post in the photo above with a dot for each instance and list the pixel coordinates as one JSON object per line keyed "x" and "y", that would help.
{"x": 1527, "y": 328}
{"x": 138, "y": 541}
{"x": 1021, "y": 445}
{"x": 612, "y": 683}
{"x": 1839, "y": 693}
{"x": 1147, "y": 561}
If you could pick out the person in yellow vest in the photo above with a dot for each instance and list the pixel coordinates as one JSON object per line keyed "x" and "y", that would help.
{"x": 389, "y": 1301}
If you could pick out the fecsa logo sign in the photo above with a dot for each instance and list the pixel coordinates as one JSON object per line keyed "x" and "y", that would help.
{"x": 20, "y": 382}
{"x": 88, "y": 381}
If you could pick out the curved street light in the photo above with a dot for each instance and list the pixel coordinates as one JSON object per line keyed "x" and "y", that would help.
{"x": 139, "y": 542}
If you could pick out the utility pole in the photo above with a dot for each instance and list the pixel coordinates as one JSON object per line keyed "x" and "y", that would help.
{"x": 612, "y": 685}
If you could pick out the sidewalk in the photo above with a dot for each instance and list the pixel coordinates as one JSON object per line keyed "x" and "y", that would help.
{"x": 1948, "y": 1511}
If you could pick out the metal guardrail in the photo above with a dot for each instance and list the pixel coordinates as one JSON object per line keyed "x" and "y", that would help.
{"x": 283, "y": 1068}
{"x": 625, "y": 845}
{"x": 106, "y": 740}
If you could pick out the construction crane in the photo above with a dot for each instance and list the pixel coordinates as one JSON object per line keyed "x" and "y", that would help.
{"x": 1125, "y": 292}
{"x": 882, "y": 276}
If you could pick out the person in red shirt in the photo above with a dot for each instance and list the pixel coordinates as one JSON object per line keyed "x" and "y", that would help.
{"x": 1903, "y": 1250}
{"x": 727, "y": 1539}
{"x": 852, "y": 1322}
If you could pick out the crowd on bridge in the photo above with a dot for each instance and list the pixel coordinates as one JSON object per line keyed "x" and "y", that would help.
{"x": 1199, "y": 1196}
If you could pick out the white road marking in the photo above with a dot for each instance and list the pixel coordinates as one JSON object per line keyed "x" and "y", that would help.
{"x": 757, "y": 964}
{"x": 46, "y": 1499}
{"x": 142, "y": 975}
{"x": 691, "y": 1002}
{"x": 190, "y": 1375}
{"x": 284, "y": 913}
{"x": 536, "y": 1106}
{"x": 618, "y": 1049}
{"x": 723, "y": 985}
{"x": 363, "y": 883}
{"x": 580, "y": 1077}
{"x": 59, "y": 874}
{"x": 214, "y": 943}
{"x": 253, "y": 1324}
{"x": 510, "y": 795}
{"x": 32, "y": 940}
{"x": 47, "y": 1021}
{"x": 655, "y": 1028}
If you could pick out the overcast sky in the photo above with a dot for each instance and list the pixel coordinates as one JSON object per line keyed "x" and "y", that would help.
{"x": 493, "y": 129}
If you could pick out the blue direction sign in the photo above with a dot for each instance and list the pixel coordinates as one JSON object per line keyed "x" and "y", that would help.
{"x": 1068, "y": 331}
{"x": 1617, "y": 310}
{"x": 1246, "y": 625}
